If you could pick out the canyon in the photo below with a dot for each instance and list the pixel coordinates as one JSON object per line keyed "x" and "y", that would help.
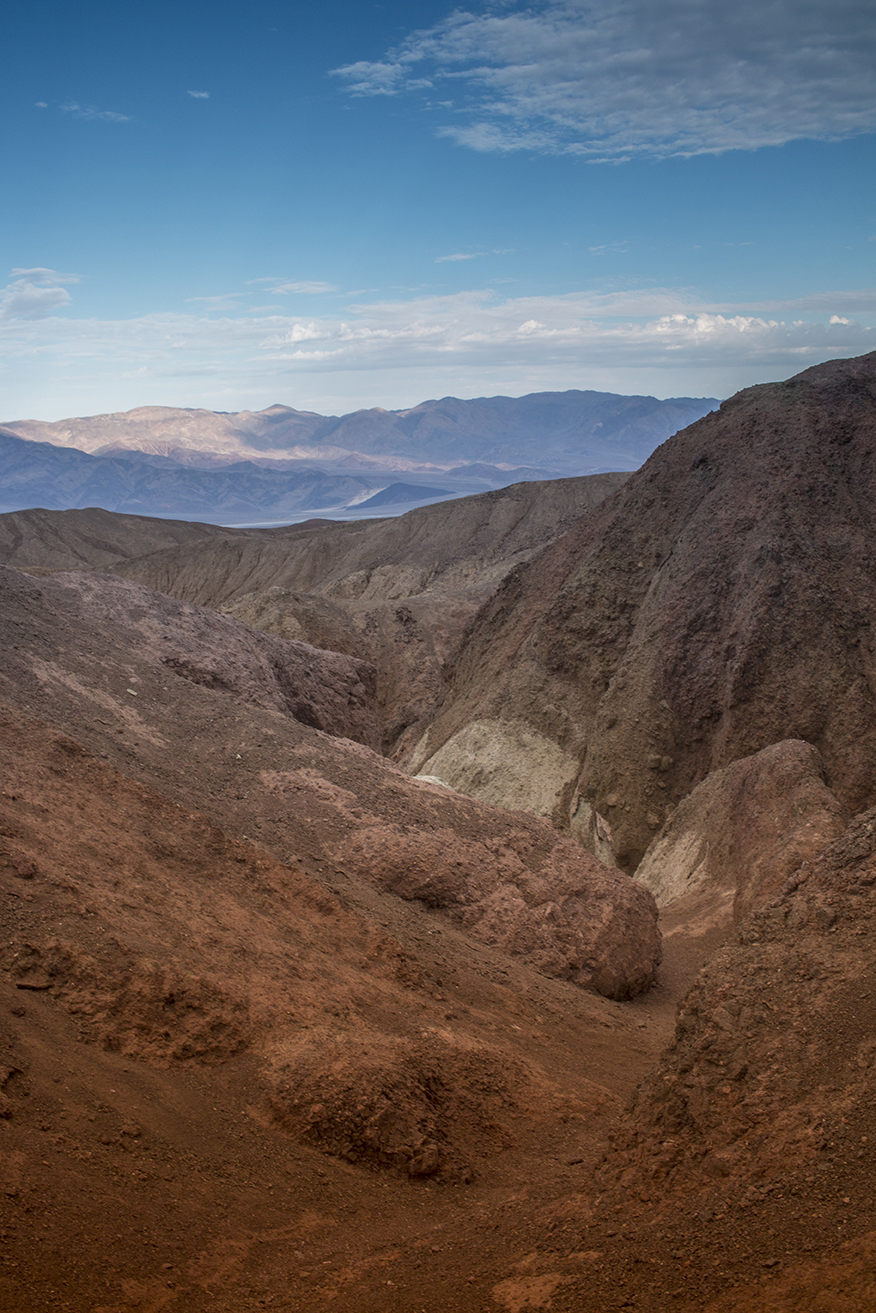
{"x": 470, "y": 909}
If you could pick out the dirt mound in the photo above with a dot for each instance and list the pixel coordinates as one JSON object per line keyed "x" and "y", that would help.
{"x": 721, "y": 601}
{"x": 202, "y": 707}
{"x": 422, "y": 1106}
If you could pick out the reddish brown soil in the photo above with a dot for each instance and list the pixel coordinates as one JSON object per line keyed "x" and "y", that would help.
{"x": 271, "y": 1029}
{"x": 161, "y": 986}
{"x": 158, "y": 976}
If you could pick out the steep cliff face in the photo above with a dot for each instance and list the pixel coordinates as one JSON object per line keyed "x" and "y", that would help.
{"x": 721, "y": 601}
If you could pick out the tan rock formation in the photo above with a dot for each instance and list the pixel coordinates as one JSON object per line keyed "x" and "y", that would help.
{"x": 745, "y": 830}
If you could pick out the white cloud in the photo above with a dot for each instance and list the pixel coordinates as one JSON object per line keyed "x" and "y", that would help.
{"x": 231, "y": 301}
{"x": 89, "y": 112}
{"x": 440, "y": 259}
{"x": 296, "y": 333}
{"x": 41, "y": 104}
{"x": 613, "y": 79}
{"x": 304, "y": 287}
{"x": 285, "y": 286}
{"x": 34, "y": 293}
{"x": 200, "y": 95}
{"x": 394, "y": 353}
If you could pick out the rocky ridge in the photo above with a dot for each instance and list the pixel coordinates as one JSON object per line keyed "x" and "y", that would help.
{"x": 397, "y": 592}
{"x": 721, "y": 601}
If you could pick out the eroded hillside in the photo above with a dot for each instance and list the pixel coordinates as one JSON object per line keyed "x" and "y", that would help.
{"x": 723, "y": 600}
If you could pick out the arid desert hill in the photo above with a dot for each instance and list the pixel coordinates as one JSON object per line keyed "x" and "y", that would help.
{"x": 285, "y": 1027}
{"x": 397, "y": 592}
{"x": 721, "y": 601}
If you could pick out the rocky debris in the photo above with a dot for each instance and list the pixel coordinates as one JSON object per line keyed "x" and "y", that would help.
{"x": 720, "y": 601}
{"x": 200, "y": 698}
{"x": 745, "y": 830}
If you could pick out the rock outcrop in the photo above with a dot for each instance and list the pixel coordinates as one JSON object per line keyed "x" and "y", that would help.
{"x": 770, "y": 1072}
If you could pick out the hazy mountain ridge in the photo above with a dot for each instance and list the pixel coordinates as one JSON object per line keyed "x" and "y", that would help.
{"x": 58, "y": 478}
{"x": 563, "y": 430}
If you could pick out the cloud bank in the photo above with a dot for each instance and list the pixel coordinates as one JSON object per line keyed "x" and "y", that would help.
{"x": 394, "y": 353}
{"x": 610, "y": 80}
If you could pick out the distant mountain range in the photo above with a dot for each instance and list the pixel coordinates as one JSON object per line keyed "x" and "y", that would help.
{"x": 281, "y": 463}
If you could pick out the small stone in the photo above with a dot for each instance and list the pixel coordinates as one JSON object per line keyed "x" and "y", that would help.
{"x": 36, "y": 978}
{"x": 425, "y": 1162}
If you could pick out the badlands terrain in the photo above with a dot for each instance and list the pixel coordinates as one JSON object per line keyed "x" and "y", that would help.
{"x": 471, "y": 910}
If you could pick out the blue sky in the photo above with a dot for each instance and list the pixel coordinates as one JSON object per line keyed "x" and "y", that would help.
{"x": 233, "y": 205}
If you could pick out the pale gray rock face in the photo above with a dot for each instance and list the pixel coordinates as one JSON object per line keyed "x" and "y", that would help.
{"x": 505, "y": 762}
